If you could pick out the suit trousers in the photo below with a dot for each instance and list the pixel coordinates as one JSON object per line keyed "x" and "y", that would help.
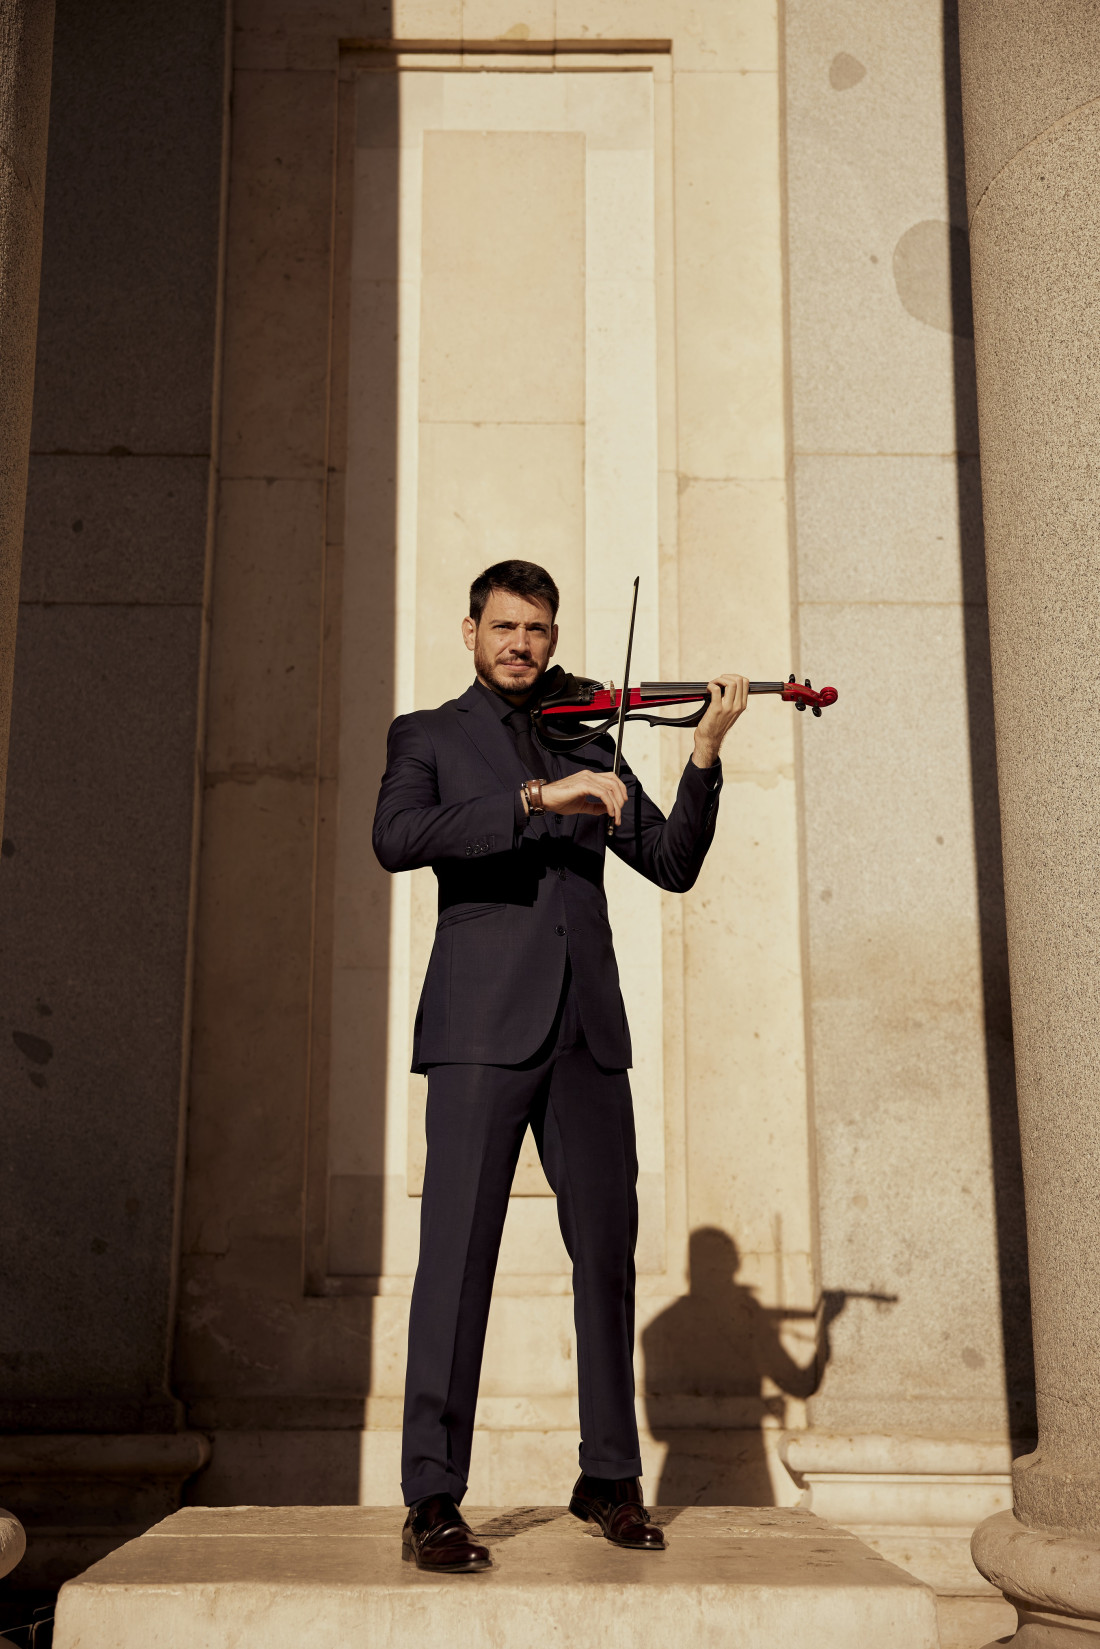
{"x": 583, "y": 1122}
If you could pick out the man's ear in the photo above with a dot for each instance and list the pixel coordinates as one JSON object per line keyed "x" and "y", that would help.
{"x": 469, "y": 633}
{"x": 553, "y": 641}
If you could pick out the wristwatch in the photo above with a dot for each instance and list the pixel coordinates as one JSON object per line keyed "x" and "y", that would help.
{"x": 531, "y": 790}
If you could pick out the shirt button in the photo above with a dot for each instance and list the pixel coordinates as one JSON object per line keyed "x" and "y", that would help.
{"x": 560, "y": 931}
{"x": 561, "y": 873}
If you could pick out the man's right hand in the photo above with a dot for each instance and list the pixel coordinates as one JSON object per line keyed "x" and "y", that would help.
{"x": 586, "y": 793}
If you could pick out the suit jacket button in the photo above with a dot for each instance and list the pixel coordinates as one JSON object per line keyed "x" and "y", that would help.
{"x": 560, "y": 931}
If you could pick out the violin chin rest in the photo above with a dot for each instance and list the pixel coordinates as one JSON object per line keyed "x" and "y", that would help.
{"x": 578, "y": 690}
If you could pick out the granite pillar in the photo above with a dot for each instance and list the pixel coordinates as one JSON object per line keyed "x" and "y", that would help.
{"x": 1031, "y": 81}
{"x": 96, "y": 883}
{"x": 916, "y": 1167}
{"x": 26, "y": 44}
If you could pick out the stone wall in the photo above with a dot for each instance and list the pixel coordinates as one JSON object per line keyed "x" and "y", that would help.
{"x": 918, "y": 1172}
{"x": 750, "y": 381}
{"x": 405, "y": 400}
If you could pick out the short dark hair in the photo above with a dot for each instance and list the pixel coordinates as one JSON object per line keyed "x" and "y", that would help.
{"x": 517, "y": 578}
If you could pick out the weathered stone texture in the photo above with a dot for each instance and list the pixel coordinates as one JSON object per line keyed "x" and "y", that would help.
{"x": 95, "y": 891}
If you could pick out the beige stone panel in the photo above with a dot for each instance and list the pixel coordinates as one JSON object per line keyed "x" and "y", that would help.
{"x": 620, "y": 193}
{"x": 488, "y": 492}
{"x": 615, "y": 111}
{"x": 530, "y": 1346}
{"x": 745, "y": 1056}
{"x": 278, "y": 249}
{"x": 379, "y": 1467}
{"x": 900, "y": 1080}
{"x": 729, "y": 277}
{"x": 528, "y": 1466}
{"x": 401, "y": 1213}
{"x": 665, "y": 270}
{"x": 736, "y": 611}
{"x": 517, "y": 20}
{"x": 651, "y": 1255}
{"x": 523, "y": 100}
{"x": 885, "y": 529}
{"x": 705, "y": 34}
{"x": 266, "y": 596}
{"x": 532, "y": 1244}
{"x": 388, "y": 1346}
{"x": 621, "y": 473}
{"x": 502, "y": 293}
{"x": 744, "y": 1050}
{"x": 426, "y": 19}
{"x": 867, "y": 163}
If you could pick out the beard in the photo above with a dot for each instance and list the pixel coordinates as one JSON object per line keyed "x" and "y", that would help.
{"x": 502, "y": 680}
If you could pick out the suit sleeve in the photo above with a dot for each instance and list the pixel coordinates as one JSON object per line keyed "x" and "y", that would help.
{"x": 412, "y": 829}
{"x": 670, "y": 851}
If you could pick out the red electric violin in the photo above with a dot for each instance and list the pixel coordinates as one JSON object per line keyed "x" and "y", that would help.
{"x": 581, "y": 710}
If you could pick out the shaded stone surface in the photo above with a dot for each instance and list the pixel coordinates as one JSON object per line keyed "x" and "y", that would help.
{"x": 95, "y": 890}
{"x": 26, "y": 31}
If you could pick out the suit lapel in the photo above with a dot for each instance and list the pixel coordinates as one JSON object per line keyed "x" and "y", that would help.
{"x": 489, "y": 736}
{"x": 492, "y": 740}
{"x": 494, "y": 743}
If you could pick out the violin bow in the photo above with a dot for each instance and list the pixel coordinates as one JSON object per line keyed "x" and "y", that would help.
{"x": 625, "y": 697}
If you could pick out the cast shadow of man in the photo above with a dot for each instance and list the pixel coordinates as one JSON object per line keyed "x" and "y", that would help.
{"x": 706, "y": 1358}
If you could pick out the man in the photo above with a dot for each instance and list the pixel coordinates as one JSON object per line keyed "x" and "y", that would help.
{"x": 521, "y": 1023}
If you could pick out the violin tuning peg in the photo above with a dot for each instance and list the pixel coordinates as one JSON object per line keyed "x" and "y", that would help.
{"x": 790, "y": 678}
{"x": 806, "y": 683}
{"x": 816, "y": 708}
{"x": 800, "y": 704}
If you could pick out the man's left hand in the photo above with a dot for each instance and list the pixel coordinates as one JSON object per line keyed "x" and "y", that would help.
{"x": 728, "y": 697}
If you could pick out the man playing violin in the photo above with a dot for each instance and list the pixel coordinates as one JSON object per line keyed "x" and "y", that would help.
{"x": 521, "y": 1024}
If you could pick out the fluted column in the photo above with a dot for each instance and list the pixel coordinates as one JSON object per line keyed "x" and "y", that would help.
{"x": 26, "y": 49}
{"x": 1031, "y": 103}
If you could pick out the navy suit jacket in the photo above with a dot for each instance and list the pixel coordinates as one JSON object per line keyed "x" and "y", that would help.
{"x": 514, "y": 902}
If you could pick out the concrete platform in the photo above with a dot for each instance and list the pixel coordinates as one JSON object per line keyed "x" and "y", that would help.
{"x": 306, "y": 1577}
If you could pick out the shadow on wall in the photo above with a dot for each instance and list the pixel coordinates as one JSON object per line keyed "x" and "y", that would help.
{"x": 1004, "y": 1130}
{"x": 706, "y": 1360}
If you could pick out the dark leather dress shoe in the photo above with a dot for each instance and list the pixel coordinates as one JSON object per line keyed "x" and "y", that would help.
{"x": 437, "y": 1535}
{"x": 616, "y": 1505}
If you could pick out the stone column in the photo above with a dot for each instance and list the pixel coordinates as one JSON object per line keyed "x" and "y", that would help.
{"x": 26, "y": 48}
{"x": 1031, "y": 84}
